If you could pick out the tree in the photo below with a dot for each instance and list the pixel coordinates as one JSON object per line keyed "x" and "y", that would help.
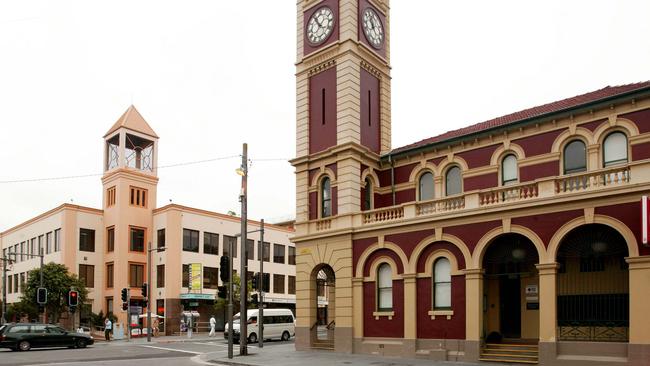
{"x": 58, "y": 282}
{"x": 220, "y": 304}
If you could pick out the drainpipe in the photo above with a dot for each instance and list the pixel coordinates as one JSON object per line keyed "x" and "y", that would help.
{"x": 392, "y": 177}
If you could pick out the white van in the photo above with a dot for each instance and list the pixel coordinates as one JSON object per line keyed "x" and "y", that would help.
{"x": 278, "y": 323}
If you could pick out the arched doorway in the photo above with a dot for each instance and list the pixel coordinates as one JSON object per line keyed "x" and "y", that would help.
{"x": 593, "y": 285}
{"x": 324, "y": 303}
{"x": 511, "y": 290}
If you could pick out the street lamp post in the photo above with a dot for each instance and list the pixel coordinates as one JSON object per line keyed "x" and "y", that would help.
{"x": 260, "y": 251}
{"x": 149, "y": 250}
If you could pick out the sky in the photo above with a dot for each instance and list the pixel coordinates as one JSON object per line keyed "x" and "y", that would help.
{"x": 210, "y": 75}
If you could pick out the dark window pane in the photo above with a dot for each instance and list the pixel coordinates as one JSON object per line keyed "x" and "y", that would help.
{"x": 210, "y": 277}
{"x": 137, "y": 240}
{"x": 109, "y": 275}
{"x": 575, "y": 157}
{"x": 210, "y": 243}
{"x": 326, "y": 198}
{"x": 161, "y": 238}
{"x": 229, "y": 242}
{"x": 136, "y": 275}
{"x": 87, "y": 240}
{"x": 615, "y": 149}
{"x": 186, "y": 275}
{"x": 292, "y": 285}
{"x": 292, "y": 255}
{"x": 278, "y": 253}
{"x": 278, "y": 283}
{"x": 87, "y": 275}
{"x": 110, "y": 239}
{"x": 190, "y": 240}
{"x": 160, "y": 275}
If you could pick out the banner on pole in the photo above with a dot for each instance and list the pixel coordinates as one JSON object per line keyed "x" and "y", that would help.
{"x": 195, "y": 276}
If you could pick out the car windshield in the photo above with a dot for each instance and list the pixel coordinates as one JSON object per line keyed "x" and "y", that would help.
{"x": 2, "y": 328}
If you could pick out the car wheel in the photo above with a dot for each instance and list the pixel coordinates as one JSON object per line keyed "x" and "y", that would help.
{"x": 81, "y": 343}
{"x": 285, "y": 336}
{"x": 24, "y": 346}
{"x": 252, "y": 338}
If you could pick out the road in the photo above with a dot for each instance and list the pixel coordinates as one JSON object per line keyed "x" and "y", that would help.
{"x": 158, "y": 353}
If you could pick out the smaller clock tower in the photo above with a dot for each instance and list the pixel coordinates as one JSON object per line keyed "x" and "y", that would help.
{"x": 129, "y": 181}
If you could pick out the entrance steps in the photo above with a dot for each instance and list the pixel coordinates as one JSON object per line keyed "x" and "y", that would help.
{"x": 510, "y": 353}
{"x": 323, "y": 344}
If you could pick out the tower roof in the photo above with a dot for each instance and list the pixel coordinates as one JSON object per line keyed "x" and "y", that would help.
{"x": 132, "y": 120}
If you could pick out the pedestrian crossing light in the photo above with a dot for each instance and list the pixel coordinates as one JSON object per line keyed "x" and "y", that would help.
{"x": 125, "y": 306}
{"x": 256, "y": 281}
{"x": 73, "y": 298}
{"x": 254, "y": 299}
{"x": 125, "y": 293}
{"x": 41, "y": 296}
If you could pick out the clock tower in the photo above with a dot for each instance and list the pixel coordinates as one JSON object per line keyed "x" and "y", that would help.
{"x": 343, "y": 126}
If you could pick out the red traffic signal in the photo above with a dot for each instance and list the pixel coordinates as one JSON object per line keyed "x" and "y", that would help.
{"x": 73, "y": 298}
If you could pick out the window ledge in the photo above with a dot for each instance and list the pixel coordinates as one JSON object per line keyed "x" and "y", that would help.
{"x": 378, "y": 314}
{"x": 447, "y": 313}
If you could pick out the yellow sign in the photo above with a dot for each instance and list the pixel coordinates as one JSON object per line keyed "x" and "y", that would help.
{"x": 195, "y": 276}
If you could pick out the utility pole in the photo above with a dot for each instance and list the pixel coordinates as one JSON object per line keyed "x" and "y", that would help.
{"x": 230, "y": 306}
{"x": 260, "y": 313}
{"x": 243, "y": 314}
{"x": 4, "y": 289}
{"x": 40, "y": 252}
{"x": 149, "y": 292}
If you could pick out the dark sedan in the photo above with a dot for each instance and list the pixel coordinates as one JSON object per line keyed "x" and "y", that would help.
{"x": 25, "y": 336}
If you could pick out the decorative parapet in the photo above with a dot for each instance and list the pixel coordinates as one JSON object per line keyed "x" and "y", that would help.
{"x": 593, "y": 180}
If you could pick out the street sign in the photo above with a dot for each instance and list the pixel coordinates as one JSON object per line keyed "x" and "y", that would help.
{"x": 197, "y": 296}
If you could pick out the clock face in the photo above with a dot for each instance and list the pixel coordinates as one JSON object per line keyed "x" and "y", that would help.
{"x": 372, "y": 28}
{"x": 320, "y": 26}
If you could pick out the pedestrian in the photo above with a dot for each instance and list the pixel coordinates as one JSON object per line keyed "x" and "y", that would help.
{"x": 213, "y": 323}
{"x": 108, "y": 328}
{"x": 156, "y": 325}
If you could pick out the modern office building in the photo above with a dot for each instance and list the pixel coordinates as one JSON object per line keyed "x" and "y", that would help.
{"x": 518, "y": 239}
{"x": 107, "y": 247}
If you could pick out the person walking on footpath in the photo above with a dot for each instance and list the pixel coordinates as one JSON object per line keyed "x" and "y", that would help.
{"x": 108, "y": 328}
{"x": 213, "y": 323}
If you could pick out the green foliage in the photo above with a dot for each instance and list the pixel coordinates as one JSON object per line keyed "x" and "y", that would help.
{"x": 58, "y": 282}
{"x": 22, "y": 309}
{"x": 220, "y": 304}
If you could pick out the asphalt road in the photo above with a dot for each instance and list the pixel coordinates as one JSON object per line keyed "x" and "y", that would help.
{"x": 160, "y": 353}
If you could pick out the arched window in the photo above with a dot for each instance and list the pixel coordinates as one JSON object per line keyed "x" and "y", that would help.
{"x": 509, "y": 174}
{"x": 426, "y": 187}
{"x": 367, "y": 195}
{"x": 615, "y": 149}
{"x": 326, "y": 198}
{"x": 453, "y": 184}
{"x": 384, "y": 288}
{"x": 575, "y": 157}
{"x": 441, "y": 284}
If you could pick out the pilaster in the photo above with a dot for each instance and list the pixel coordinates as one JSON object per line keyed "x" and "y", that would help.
{"x": 547, "y": 301}
{"x": 410, "y": 306}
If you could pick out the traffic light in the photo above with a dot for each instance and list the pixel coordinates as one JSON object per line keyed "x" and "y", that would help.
{"x": 255, "y": 280}
{"x": 125, "y": 306}
{"x": 125, "y": 294}
{"x": 73, "y": 298}
{"x": 225, "y": 269}
{"x": 222, "y": 292}
{"x": 144, "y": 289}
{"x": 145, "y": 302}
{"x": 41, "y": 296}
{"x": 254, "y": 299}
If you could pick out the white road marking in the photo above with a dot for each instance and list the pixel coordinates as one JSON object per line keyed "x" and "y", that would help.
{"x": 174, "y": 350}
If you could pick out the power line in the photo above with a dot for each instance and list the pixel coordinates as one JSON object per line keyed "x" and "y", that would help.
{"x": 45, "y": 179}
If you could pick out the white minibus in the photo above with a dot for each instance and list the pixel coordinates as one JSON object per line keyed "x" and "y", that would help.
{"x": 278, "y": 323}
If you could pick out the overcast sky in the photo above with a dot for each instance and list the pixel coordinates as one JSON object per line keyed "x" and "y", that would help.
{"x": 209, "y": 75}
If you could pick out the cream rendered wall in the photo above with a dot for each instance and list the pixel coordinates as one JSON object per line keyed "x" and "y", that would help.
{"x": 218, "y": 225}
{"x": 96, "y": 258}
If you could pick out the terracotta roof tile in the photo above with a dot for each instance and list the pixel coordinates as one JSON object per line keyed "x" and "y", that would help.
{"x": 606, "y": 92}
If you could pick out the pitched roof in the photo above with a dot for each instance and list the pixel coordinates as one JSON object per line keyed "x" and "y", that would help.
{"x": 539, "y": 111}
{"x": 132, "y": 120}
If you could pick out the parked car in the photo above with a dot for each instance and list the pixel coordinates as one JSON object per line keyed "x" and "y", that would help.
{"x": 25, "y": 336}
{"x": 278, "y": 323}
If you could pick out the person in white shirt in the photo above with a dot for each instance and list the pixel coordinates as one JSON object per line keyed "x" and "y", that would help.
{"x": 213, "y": 323}
{"x": 108, "y": 328}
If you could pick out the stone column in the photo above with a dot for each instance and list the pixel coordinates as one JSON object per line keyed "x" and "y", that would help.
{"x": 639, "y": 343}
{"x": 547, "y": 312}
{"x": 357, "y": 312}
{"x": 410, "y": 313}
{"x": 474, "y": 313}
{"x": 306, "y": 304}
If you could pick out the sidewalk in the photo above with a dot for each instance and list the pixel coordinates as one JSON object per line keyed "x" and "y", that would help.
{"x": 286, "y": 355}
{"x": 201, "y": 337}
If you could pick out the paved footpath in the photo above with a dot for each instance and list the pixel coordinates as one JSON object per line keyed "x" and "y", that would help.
{"x": 286, "y": 355}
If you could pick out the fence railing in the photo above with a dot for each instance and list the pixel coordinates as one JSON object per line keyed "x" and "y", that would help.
{"x": 440, "y": 205}
{"x": 508, "y": 194}
{"x": 593, "y": 180}
{"x": 384, "y": 214}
